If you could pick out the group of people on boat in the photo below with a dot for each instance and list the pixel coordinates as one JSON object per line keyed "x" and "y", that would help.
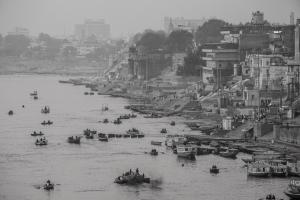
{"x": 48, "y": 185}
{"x": 131, "y": 177}
{"x": 45, "y": 110}
{"x": 47, "y": 122}
{"x": 41, "y": 141}
{"x": 37, "y": 134}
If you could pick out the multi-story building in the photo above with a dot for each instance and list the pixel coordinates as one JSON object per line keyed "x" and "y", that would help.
{"x": 96, "y": 28}
{"x": 19, "y": 31}
{"x": 180, "y": 23}
{"x": 258, "y": 34}
{"x": 144, "y": 65}
{"x": 220, "y": 59}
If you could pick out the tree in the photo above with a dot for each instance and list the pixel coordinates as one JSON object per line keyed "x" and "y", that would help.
{"x": 179, "y": 41}
{"x": 191, "y": 61}
{"x": 53, "y": 45}
{"x": 151, "y": 40}
{"x": 69, "y": 51}
{"x": 15, "y": 45}
{"x": 209, "y": 32}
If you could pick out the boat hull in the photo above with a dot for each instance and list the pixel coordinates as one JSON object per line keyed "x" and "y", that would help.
{"x": 291, "y": 195}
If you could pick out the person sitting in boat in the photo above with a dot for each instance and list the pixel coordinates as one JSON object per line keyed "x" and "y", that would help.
{"x": 41, "y": 132}
{"x": 34, "y": 132}
{"x": 37, "y": 140}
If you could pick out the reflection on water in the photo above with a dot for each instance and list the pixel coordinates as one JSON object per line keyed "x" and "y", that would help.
{"x": 87, "y": 171}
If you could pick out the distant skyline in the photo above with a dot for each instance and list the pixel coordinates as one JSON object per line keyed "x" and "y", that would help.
{"x": 58, "y": 17}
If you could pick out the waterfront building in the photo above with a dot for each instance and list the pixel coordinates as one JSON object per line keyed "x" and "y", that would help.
{"x": 180, "y": 23}
{"x": 144, "y": 65}
{"x": 97, "y": 28}
{"x": 220, "y": 59}
{"x": 260, "y": 34}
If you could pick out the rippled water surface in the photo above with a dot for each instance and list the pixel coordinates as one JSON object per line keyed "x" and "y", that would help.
{"x": 87, "y": 171}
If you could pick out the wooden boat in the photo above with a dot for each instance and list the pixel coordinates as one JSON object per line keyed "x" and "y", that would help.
{"x": 74, "y": 140}
{"x": 153, "y": 152}
{"x": 293, "y": 169}
{"x": 111, "y": 135}
{"x": 133, "y": 131}
{"x": 41, "y": 142}
{"x": 48, "y": 186}
{"x": 131, "y": 178}
{"x": 10, "y": 112}
{"x": 45, "y": 110}
{"x": 37, "y": 134}
{"x": 214, "y": 170}
{"x": 172, "y": 123}
{"x": 47, "y": 123}
{"x": 164, "y": 130}
{"x": 204, "y": 150}
{"x": 140, "y": 135}
{"x": 293, "y": 189}
{"x": 278, "y": 169}
{"x": 229, "y": 153}
{"x": 34, "y": 93}
{"x": 90, "y": 136}
{"x": 105, "y": 121}
{"x": 117, "y": 121}
{"x": 35, "y": 97}
{"x": 258, "y": 169}
{"x": 126, "y": 136}
{"x": 158, "y": 143}
{"x": 132, "y": 115}
{"x": 103, "y": 139}
{"x": 86, "y": 93}
{"x": 152, "y": 115}
{"x": 186, "y": 151}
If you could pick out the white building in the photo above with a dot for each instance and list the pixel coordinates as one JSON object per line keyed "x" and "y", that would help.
{"x": 180, "y": 23}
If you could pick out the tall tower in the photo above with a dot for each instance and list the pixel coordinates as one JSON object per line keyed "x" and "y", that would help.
{"x": 292, "y": 18}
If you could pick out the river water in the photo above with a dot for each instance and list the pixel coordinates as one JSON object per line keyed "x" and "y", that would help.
{"x": 87, "y": 171}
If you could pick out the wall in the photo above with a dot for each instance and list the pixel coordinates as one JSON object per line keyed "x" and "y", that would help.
{"x": 290, "y": 133}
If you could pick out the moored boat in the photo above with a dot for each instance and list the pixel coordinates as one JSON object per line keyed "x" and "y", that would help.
{"x": 157, "y": 143}
{"x": 103, "y": 139}
{"x": 186, "y": 151}
{"x": 229, "y": 153}
{"x": 258, "y": 169}
{"x": 37, "y": 134}
{"x": 74, "y": 140}
{"x": 153, "y": 152}
{"x": 214, "y": 169}
{"x": 164, "y": 130}
{"x": 10, "y": 112}
{"x": 278, "y": 169}
{"x": 293, "y": 189}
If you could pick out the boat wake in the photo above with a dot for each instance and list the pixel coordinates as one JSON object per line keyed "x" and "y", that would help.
{"x": 155, "y": 183}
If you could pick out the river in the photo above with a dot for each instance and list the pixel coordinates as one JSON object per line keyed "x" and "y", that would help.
{"x": 87, "y": 171}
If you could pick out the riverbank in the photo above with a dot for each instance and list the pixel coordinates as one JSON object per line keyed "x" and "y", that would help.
{"x": 78, "y": 67}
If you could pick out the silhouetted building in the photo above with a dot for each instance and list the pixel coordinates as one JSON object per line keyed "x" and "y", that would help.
{"x": 95, "y": 28}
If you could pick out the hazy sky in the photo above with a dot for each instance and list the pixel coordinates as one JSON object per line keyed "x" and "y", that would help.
{"x": 57, "y": 17}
